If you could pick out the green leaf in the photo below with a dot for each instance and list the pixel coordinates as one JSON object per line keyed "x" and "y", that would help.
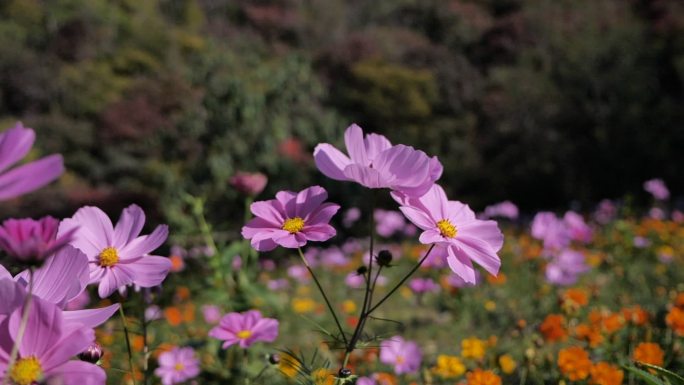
{"x": 644, "y": 375}
{"x": 675, "y": 378}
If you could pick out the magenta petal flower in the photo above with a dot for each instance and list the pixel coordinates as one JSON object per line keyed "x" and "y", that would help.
{"x": 373, "y": 162}
{"x": 457, "y": 235}
{"x": 577, "y": 228}
{"x": 291, "y": 220}
{"x": 31, "y": 241}
{"x": 15, "y": 143}
{"x": 119, "y": 256}
{"x": 177, "y": 365}
{"x": 404, "y": 355}
{"x": 657, "y": 188}
{"x": 566, "y": 267}
{"x": 245, "y": 329}
{"x": 46, "y": 348}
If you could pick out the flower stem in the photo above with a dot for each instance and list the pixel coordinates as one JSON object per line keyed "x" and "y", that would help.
{"x": 22, "y": 327}
{"x": 398, "y": 285}
{"x": 325, "y": 297}
{"x": 146, "y": 351}
{"x": 128, "y": 341}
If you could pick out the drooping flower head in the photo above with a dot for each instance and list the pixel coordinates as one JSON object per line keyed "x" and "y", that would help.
{"x": 291, "y": 220}
{"x": 245, "y": 329}
{"x": 119, "y": 256}
{"x": 404, "y": 355}
{"x": 177, "y": 365}
{"x": 47, "y": 346}
{"x": 657, "y": 188}
{"x": 375, "y": 163}
{"x": 31, "y": 241}
{"x": 457, "y": 235}
{"x": 15, "y": 143}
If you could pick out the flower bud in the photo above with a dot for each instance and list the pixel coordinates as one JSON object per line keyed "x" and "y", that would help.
{"x": 274, "y": 359}
{"x": 384, "y": 258}
{"x": 92, "y": 354}
{"x": 361, "y": 270}
{"x": 249, "y": 183}
{"x": 344, "y": 373}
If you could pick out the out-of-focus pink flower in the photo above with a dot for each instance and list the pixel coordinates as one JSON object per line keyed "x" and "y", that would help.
{"x": 374, "y": 163}
{"x": 15, "y": 143}
{"x": 245, "y": 329}
{"x": 249, "y": 183}
{"x": 354, "y": 280}
{"x": 404, "y": 355}
{"x": 677, "y": 216}
{"x": 565, "y": 268}
{"x": 333, "y": 257}
{"x": 641, "y": 242}
{"x": 291, "y": 220}
{"x": 546, "y": 226}
{"x": 119, "y": 256}
{"x": 388, "y": 222}
{"x": 31, "y": 241}
{"x": 423, "y": 285}
{"x": 577, "y": 228}
{"x": 351, "y": 216}
{"x": 299, "y": 273}
{"x": 47, "y": 346}
{"x": 657, "y": 188}
{"x": 365, "y": 381}
{"x": 267, "y": 264}
{"x": 211, "y": 313}
{"x": 457, "y": 235}
{"x": 455, "y": 281}
{"x": 177, "y": 365}
{"x": 237, "y": 263}
{"x": 505, "y": 209}
{"x": 605, "y": 212}
{"x": 277, "y": 284}
{"x": 656, "y": 213}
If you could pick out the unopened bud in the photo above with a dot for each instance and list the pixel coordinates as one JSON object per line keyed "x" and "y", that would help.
{"x": 274, "y": 359}
{"x": 361, "y": 270}
{"x": 92, "y": 354}
{"x": 384, "y": 258}
{"x": 344, "y": 373}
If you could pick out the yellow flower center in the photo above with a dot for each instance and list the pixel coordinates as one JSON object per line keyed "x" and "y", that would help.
{"x": 244, "y": 334}
{"x": 178, "y": 367}
{"x": 108, "y": 257}
{"x": 26, "y": 371}
{"x": 400, "y": 360}
{"x": 293, "y": 225}
{"x": 446, "y": 228}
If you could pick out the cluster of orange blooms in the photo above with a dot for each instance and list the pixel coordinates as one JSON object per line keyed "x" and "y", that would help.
{"x": 675, "y": 318}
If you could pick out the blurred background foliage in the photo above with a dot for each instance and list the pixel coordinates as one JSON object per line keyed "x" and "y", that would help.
{"x": 542, "y": 102}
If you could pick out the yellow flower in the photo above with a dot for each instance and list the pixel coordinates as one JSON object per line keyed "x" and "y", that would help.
{"x": 473, "y": 348}
{"x": 323, "y": 377}
{"x": 288, "y": 365}
{"x": 490, "y": 306}
{"x": 348, "y": 306}
{"x": 449, "y": 366}
{"x": 507, "y": 364}
{"x": 303, "y": 305}
{"x": 483, "y": 377}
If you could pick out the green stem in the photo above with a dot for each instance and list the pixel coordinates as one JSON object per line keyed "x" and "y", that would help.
{"x": 325, "y": 297}
{"x": 146, "y": 352}
{"x": 22, "y": 327}
{"x": 128, "y": 341}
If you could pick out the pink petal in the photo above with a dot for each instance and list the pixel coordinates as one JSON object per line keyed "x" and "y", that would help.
{"x": 353, "y": 139}
{"x": 266, "y": 330}
{"x": 309, "y": 200}
{"x": 15, "y": 143}
{"x": 290, "y": 241}
{"x": 77, "y": 373}
{"x": 480, "y": 252}
{"x": 430, "y": 236}
{"x": 43, "y": 328}
{"x": 30, "y": 176}
{"x": 70, "y": 344}
{"x": 323, "y": 214}
{"x": 331, "y": 161}
{"x": 375, "y": 144}
{"x": 129, "y": 226}
{"x": 263, "y": 241}
{"x": 268, "y": 211}
{"x": 488, "y": 231}
{"x": 319, "y": 233}
{"x": 150, "y": 270}
{"x": 145, "y": 244}
{"x": 461, "y": 265}
{"x": 408, "y": 166}
{"x": 95, "y": 228}
{"x": 365, "y": 176}
{"x": 90, "y": 318}
{"x": 257, "y": 225}
{"x": 11, "y": 295}
{"x": 114, "y": 278}
{"x": 418, "y": 217}
{"x": 287, "y": 200}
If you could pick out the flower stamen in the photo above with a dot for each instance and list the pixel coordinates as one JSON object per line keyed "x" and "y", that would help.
{"x": 108, "y": 257}
{"x": 446, "y": 228}
{"x": 293, "y": 225}
{"x": 26, "y": 371}
{"x": 244, "y": 334}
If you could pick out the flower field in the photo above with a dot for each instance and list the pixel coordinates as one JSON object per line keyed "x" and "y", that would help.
{"x": 413, "y": 288}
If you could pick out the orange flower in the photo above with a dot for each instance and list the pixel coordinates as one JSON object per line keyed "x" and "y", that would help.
{"x": 679, "y": 301}
{"x": 649, "y": 353}
{"x": 552, "y": 328}
{"x": 574, "y": 363}
{"x": 385, "y": 379}
{"x": 173, "y": 316}
{"x": 635, "y": 314}
{"x": 587, "y": 333}
{"x": 182, "y": 293}
{"x": 612, "y": 322}
{"x": 482, "y": 377}
{"x": 574, "y": 299}
{"x": 604, "y": 373}
{"x": 675, "y": 320}
{"x": 177, "y": 263}
{"x": 497, "y": 280}
{"x": 188, "y": 312}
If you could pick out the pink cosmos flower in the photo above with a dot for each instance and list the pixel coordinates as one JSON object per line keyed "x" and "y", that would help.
{"x": 291, "y": 220}
{"x": 404, "y": 355}
{"x": 578, "y": 229}
{"x": 177, "y": 365}
{"x": 249, "y": 183}
{"x": 505, "y": 209}
{"x": 657, "y": 188}
{"x": 388, "y": 222}
{"x": 60, "y": 280}
{"x": 565, "y": 268}
{"x": 118, "y": 255}
{"x": 31, "y": 241}
{"x": 365, "y": 381}
{"x": 423, "y": 285}
{"x": 15, "y": 143}
{"x": 211, "y": 314}
{"x": 457, "y": 235}
{"x": 47, "y": 346}
{"x": 374, "y": 163}
{"x": 245, "y": 329}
